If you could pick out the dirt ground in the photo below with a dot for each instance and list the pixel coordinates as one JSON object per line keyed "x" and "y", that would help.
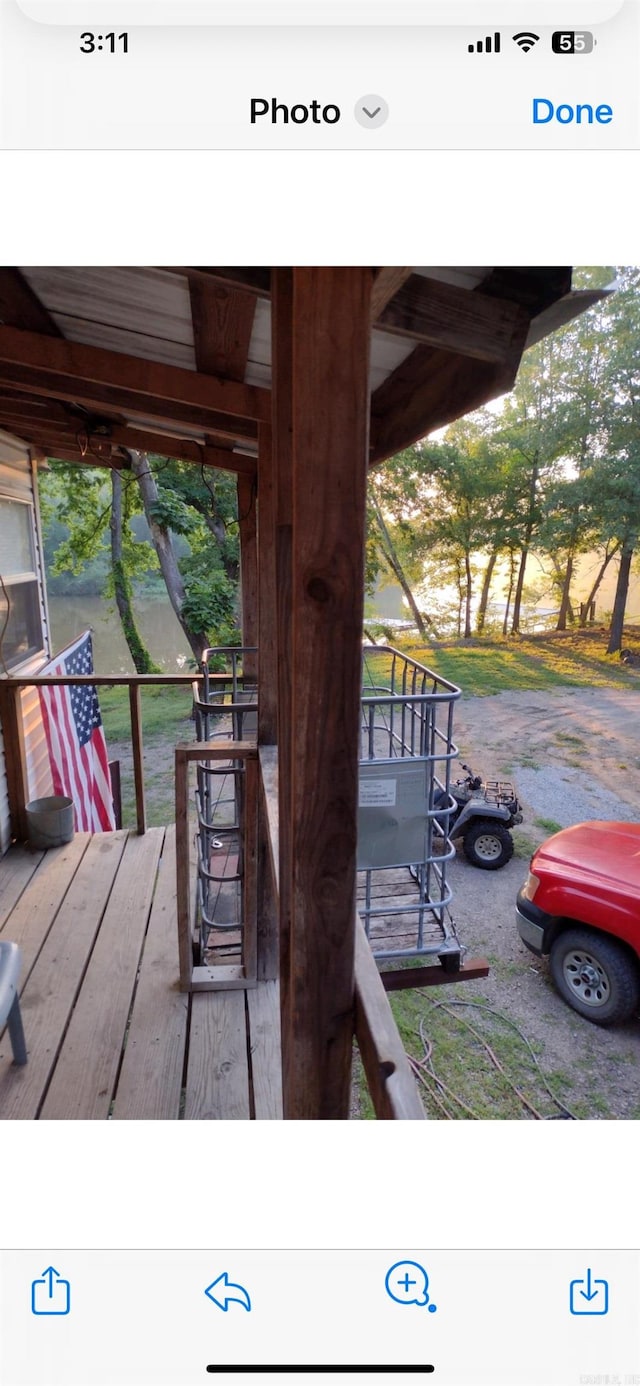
{"x": 573, "y": 754}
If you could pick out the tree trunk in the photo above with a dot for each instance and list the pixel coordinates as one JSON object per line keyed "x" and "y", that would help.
{"x": 163, "y": 546}
{"x": 565, "y": 600}
{"x": 484, "y": 595}
{"x": 517, "y": 600}
{"x": 398, "y": 572}
{"x": 620, "y": 601}
{"x": 512, "y": 573}
{"x": 142, "y": 660}
{"x": 524, "y": 553}
{"x": 587, "y": 605}
{"x": 217, "y": 529}
{"x": 460, "y": 587}
{"x": 467, "y": 598}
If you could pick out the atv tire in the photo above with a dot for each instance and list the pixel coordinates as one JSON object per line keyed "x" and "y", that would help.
{"x": 487, "y": 844}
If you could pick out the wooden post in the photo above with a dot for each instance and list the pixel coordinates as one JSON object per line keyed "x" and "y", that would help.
{"x": 267, "y": 593}
{"x": 282, "y": 428}
{"x": 246, "y": 486}
{"x": 268, "y": 919}
{"x": 135, "y": 708}
{"x": 250, "y": 867}
{"x": 330, "y": 417}
{"x": 15, "y": 756}
{"x": 183, "y": 892}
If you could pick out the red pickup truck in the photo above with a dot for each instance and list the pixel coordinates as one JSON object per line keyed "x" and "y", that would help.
{"x": 580, "y": 904}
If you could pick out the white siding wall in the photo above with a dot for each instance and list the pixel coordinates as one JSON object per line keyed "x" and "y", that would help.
{"x": 17, "y": 479}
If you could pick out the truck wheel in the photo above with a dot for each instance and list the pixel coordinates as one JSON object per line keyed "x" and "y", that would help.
{"x": 487, "y": 844}
{"x": 596, "y": 976}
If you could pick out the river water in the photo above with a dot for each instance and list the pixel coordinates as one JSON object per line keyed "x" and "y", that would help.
{"x": 157, "y": 624}
{"x": 168, "y": 647}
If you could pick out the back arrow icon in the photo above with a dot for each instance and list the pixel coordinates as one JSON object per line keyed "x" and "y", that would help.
{"x": 227, "y": 1293}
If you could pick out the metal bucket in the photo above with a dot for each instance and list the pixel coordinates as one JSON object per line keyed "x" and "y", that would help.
{"x": 50, "y": 821}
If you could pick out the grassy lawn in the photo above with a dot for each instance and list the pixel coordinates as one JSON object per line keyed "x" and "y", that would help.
{"x": 164, "y": 710}
{"x": 475, "y": 1064}
{"x": 572, "y": 659}
{"x": 166, "y": 719}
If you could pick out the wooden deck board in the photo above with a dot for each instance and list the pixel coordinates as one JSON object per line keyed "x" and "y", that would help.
{"x": 51, "y": 990}
{"x": 38, "y": 906}
{"x": 150, "y": 1082}
{"x": 17, "y": 868}
{"x": 264, "y": 1029}
{"x": 80, "y": 914}
{"x": 85, "y": 1075}
{"x": 218, "y": 1071}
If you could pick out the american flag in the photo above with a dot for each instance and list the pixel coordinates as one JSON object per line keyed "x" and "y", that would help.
{"x": 75, "y": 738}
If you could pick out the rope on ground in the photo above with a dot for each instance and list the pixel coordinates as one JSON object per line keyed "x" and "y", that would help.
{"x": 438, "y": 1090}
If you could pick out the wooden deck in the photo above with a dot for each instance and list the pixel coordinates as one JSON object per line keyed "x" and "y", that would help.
{"x": 109, "y": 1034}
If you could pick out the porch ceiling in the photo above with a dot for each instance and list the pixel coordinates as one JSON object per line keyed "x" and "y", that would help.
{"x": 178, "y": 360}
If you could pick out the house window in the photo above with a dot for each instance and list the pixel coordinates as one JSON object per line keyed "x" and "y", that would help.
{"x": 20, "y": 612}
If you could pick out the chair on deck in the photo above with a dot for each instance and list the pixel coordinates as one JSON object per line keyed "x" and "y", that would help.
{"x": 10, "y": 960}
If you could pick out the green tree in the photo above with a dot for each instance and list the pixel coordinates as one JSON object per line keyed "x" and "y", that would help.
{"x": 393, "y": 501}
{"x": 621, "y": 468}
{"x": 92, "y": 510}
{"x": 176, "y": 500}
{"x": 465, "y": 474}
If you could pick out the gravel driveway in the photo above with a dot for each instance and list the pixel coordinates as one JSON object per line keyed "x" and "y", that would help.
{"x": 574, "y": 754}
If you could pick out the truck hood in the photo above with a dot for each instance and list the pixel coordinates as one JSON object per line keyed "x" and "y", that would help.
{"x": 589, "y": 851}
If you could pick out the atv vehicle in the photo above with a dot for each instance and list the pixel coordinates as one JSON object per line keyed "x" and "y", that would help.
{"x": 484, "y": 812}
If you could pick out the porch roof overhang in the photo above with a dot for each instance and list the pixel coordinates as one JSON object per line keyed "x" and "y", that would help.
{"x": 97, "y": 362}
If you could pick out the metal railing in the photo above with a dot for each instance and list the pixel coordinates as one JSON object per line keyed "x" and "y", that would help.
{"x": 14, "y": 740}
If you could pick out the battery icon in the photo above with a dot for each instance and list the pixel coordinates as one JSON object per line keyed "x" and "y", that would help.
{"x": 572, "y": 41}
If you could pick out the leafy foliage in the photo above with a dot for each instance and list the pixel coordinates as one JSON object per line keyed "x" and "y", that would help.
{"x": 552, "y": 471}
{"x": 76, "y": 508}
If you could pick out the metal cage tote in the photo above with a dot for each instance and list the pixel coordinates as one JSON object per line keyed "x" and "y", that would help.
{"x": 404, "y": 805}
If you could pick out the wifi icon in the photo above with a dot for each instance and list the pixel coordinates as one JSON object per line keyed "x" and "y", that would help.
{"x": 526, "y": 41}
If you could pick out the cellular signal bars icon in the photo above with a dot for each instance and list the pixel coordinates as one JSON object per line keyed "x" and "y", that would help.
{"x": 487, "y": 45}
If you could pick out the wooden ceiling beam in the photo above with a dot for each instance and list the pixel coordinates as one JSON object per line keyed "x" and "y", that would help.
{"x": 77, "y": 458}
{"x": 92, "y": 376}
{"x": 27, "y": 429}
{"x": 43, "y": 408}
{"x": 54, "y": 414}
{"x": 386, "y": 284}
{"x": 50, "y": 416}
{"x": 533, "y": 287}
{"x": 183, "y": 449}
{"x": 222, "y": 327}
{"x": 21, "y": 307}
{"x": 53, "y": 434}
{"x": 97, "y": 397}
{"x": 472, "y": 324}
{"x": 255, "y": 281}
{"x": 430, "y": 389}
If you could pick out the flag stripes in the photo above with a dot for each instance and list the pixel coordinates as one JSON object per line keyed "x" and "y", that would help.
{"x": 75, "y": 740}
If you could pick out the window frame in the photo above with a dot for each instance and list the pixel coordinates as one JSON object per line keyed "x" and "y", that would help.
{"x": 9, "y": 665}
